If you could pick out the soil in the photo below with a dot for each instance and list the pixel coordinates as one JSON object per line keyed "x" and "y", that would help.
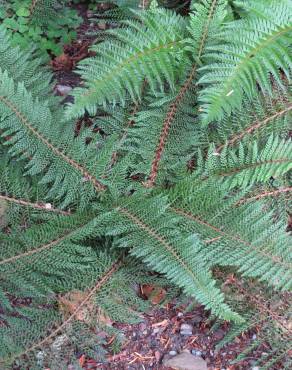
{"x": 149, "y": 342}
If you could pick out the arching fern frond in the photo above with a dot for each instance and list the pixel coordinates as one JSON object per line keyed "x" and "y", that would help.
{"x": 242, "y": 235}
{"x": 152, "y": 234}
{"x": 147, "y": 48}
{"x": 28, "y": 126}
{"x": 254, "y": 49}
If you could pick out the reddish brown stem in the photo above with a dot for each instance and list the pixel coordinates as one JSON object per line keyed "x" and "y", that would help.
{"x": 171, "y": 114}
{"x": 41, "y": 206}
{"x": 255, "y": 126}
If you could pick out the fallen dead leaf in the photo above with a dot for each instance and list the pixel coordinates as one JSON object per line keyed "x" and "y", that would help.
{"x": 161, "y": 323}
{"x": 69, "y": 303}
{"x": 82, "y": 360}
{"x": 155, "y": 294}
{"x": 62, "y": 62}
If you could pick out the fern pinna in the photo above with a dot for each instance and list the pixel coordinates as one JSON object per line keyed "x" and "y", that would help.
{"x": 187, "y": 176}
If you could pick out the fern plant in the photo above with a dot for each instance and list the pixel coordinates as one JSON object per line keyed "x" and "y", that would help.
{"x": 166, "y": 184}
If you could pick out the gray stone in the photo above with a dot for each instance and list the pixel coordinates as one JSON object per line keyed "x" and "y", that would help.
{"x": 196, "y": 352}
{"x": 185, "y": 361}
{"x": 63, "y": 89}
{"x": 142, "y": 326}
{"x": 155, "y": 331}
{"x": 186, "y": 327}
{"x": 172, "y": 353}
{"x": 180, "y": 314}
{"x": 186, "y": 332}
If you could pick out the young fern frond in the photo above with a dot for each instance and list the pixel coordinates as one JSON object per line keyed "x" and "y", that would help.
{"x": 254, "y": 49}
{"x": 248, "y": 164}
{"x": 150, "y": 47}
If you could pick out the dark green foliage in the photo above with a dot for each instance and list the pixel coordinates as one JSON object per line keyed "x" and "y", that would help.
{"x": 153, "y": 188}
{"x": 46, "y": 24}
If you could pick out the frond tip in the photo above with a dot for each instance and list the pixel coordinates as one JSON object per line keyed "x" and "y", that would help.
{"x": 254, "y": 49}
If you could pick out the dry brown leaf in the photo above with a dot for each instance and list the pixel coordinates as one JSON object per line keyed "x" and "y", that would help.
{"x": 70, "y": 302}
{"x": 154, "y": 293}
{"x": 82, "y": 360}
{"x": 161, "y": 323}
{"x": 62, "y": 62}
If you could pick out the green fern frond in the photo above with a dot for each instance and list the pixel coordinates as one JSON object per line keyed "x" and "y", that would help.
{"x": 43, "y": 11}
{"x": 24, "y": 67}
{"x": 249, "y": 164}
{"x": 148, "y": 48}
{"x": 172, "y": 136}
{"x": 153, "y": 235}
{"x": 27, "y": 127}
{"x": 17, "y": 348}
{"x": 254, "y": 49}
{"x": 241, "y": 235}
{"x": 256, "y": 120}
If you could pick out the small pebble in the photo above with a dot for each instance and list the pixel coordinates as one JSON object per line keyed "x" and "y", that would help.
{"x": 142, "y": 326}
{"x": 156, "y": 330}
{"x": 196, "y": 352}
{"x": 145, "y": 332}
{"x": 63, "y": 89}
{"x": 157, "y": 355}
{"x": 254, "y": 337}
{"x": 255, "y": 368}
{"x": 186, "y": 327}
{"x": 172, "y": 353}
{"x": 185, "y": 332}
{"x": 180, "y": 314}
